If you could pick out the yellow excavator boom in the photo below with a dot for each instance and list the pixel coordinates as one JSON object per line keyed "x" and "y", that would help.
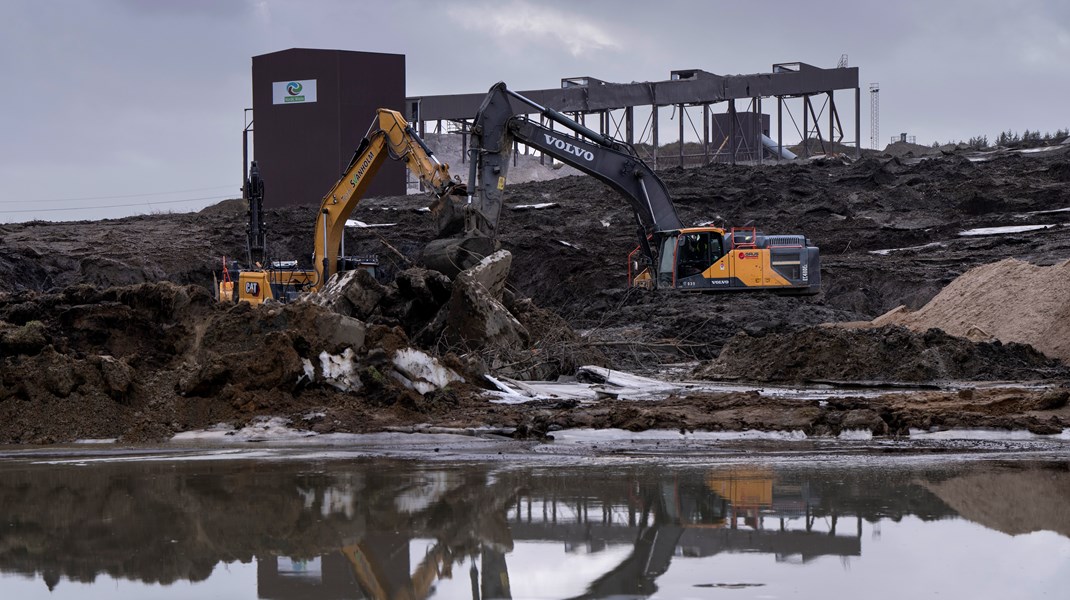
{"x": 391, "y": 135}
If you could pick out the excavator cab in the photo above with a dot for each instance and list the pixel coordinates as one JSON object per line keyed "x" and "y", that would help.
{"x": 711, "y": 258}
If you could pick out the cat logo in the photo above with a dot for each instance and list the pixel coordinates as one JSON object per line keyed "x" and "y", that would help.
{"x": 252, "y": 288}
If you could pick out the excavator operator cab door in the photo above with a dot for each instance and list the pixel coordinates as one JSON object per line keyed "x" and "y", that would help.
{"x": 695, "y": 252}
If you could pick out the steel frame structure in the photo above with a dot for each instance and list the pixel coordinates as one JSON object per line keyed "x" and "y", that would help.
{"x": 614, "y": 106}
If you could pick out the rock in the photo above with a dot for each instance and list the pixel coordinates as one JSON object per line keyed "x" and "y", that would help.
{"x": 424, "y": 285}
{"x": 29, "y": 339}
{"x": 864, "y": 419}
{"x": 118, "y": 376}
{"x": 353, "y": 293}
{"x": 491, "y": 272}
{"x": 341, "y": 332}
{"x": 475, "y": 319}
{"x": 58, "y": 373}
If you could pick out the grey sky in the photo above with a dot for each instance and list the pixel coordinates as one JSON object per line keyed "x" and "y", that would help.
{"x": 116, "y": 102}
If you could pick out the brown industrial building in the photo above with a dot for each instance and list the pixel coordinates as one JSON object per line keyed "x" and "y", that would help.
{"x": 311, "y": 108}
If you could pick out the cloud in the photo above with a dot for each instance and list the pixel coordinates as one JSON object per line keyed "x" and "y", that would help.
{"x": 186, "y": 8}
{"x": 518, "y": 23}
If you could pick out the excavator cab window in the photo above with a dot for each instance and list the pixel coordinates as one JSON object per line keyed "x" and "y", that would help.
{"x": 666, "y": 259}
{"x": 693, "y": 254}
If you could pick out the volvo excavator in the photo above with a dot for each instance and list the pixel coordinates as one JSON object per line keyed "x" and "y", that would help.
{"x": 669, "y": 255}
{"x": 390, "y": 135}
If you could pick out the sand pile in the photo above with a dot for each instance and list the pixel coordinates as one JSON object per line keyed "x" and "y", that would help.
{"x": 1009, "y": 301}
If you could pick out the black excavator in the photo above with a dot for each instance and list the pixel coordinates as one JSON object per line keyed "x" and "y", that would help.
{"x": 669, "y": 255}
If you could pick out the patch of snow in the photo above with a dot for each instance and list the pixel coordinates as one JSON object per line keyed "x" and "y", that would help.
{"x": 564, "y": 243}
{"x": 984, "y": 435}
{"x": 609, "y": 379}
{"x": 887, "y": 251}
{"x": 362, "y": 224}
{"x": 97, "y": 441}
{"x": 340, "y": 370}
{"x": 260, "y": 429}
{"x": 422, "y": 372}
{"x": 1040, "y": 149}
{"x": 1043, "y": 212}
{"x": 617, "y": 436}
{"x": 1003, "y": 230}
{"x": 602, "y": 383}
{"x": 538, "y": 206}
{"x": 856, "y": 434}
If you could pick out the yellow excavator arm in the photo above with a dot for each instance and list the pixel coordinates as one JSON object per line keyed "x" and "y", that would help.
{"x": 390, "y": 135}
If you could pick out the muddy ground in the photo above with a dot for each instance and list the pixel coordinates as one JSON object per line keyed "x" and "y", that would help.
{"x": 147, "y": 360}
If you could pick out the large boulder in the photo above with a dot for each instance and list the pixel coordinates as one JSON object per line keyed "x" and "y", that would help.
{"x": 491, "y": 272}
{"x": 474, "y": 319}
{"x": 352, "y": 293}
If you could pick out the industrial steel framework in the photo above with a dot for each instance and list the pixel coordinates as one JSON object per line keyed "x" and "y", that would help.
{"x": 735, "y": 135}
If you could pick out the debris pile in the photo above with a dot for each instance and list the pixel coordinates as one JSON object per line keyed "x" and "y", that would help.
{"x": 148, "y": 360}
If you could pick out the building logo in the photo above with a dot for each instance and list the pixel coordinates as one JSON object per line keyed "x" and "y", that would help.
{"x": 297, "y": 91}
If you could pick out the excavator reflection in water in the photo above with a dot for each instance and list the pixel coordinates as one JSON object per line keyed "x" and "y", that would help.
{"x": 475, "y": 525}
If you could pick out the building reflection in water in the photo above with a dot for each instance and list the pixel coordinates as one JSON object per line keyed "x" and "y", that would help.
{"x": 402, "y": 530}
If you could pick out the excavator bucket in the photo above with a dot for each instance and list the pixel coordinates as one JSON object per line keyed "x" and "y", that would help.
{"x": 447, "y": 213}
{"x": 455, "y": 251}
{"x": 450, "y": 256}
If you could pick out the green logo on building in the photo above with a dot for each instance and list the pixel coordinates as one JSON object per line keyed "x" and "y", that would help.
{"x": 294, "y": 90}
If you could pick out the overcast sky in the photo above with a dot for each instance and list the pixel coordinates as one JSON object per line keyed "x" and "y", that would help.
{"x": 110, "y": 103}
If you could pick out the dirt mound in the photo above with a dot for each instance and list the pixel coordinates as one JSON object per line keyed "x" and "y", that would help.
{"x": 149, "y": 360}
{"x": 1010, "y": 301}
{"x": 146, "y": 361}
{"x": 885, "y": 354}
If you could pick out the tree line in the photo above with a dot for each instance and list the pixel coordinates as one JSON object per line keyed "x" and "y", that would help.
{"x": 1012, "y": 138}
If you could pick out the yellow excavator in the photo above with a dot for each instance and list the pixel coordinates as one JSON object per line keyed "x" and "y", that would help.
{"x": 389, "y": 135}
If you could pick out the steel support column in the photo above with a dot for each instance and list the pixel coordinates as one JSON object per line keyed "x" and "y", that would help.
{"x": 779, "y": 128}
{"x": 858, "y": 122}
{"x": 758, "y": 119}
{"x": 706, "y": 134}
{"x": 832, "y": 125}
{"x": 732, "y": 129}
{"x": 654, "y": 131}
{"x": 806, "y": 126}
{"x": 682, "y": 117}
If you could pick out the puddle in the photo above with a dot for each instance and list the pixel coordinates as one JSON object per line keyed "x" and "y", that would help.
{"x": 341, "y": 526}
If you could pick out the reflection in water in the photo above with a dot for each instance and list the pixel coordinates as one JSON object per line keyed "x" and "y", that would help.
{"x": 399, "y": 530}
